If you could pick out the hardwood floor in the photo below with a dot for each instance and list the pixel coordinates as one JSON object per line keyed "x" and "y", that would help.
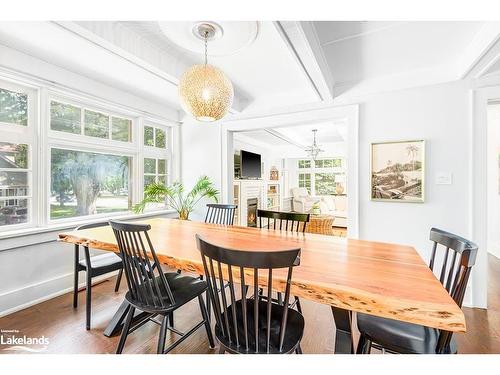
{"x": 65, "y": 326}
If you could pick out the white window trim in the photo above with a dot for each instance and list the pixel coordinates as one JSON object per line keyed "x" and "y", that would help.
{"x": 41, "y": 138}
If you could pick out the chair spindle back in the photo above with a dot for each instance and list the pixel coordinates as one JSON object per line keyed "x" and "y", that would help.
{"x": 243, "y": 329}
{"x": 220, "y": 213}
{"x": 287, "y": 221}
{"x": 146, "y": 282}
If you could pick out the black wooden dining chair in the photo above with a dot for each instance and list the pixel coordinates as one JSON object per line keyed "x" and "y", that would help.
{"x": 287, "y": 221}
{"x": 251, "y": 325}
{"x": 400, "y": 337}
{"x": 220, "y": 213}
{"x": 153, "y": 291}
{"x": 93, "y": 268}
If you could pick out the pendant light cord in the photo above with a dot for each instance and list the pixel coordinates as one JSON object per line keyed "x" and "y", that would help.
{"x": 206, "y": 47}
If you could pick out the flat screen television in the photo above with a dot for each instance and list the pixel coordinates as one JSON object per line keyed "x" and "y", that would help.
{"x": 250, "y": 165}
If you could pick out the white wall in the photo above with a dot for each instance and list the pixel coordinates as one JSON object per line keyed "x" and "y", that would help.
{"x": 493, "y": 180}
{"x": 440, "y": 115}
{"x": 201, "y": 155}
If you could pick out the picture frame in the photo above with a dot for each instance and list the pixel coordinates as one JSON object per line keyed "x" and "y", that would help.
{"x": 397, "y": 171}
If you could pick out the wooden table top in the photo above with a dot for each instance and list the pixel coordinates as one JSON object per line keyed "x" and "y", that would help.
{"x": 382, "y": 279}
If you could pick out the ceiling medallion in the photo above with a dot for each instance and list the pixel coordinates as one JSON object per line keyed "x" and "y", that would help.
{"x": 314, "y": 150}
{"x": 204, "y": 90}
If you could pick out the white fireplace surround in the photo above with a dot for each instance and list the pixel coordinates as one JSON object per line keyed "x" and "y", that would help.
{"x": 249, "y": 189}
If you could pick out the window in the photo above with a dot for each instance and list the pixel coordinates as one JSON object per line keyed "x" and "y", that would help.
{"x": 156, "y": 157}
{"x": 305, "y": 181}
{"x": 155, "y": 137}
{"x": 321, "y": 176}
{"x": 155, "y": 170}
{"x": 69, "y": 118}
{"x": 304, "y": 163}
{"x": 89, "y": 163}
{"x": 87, "y": 183}
{"x": 13, "y": 107}
{"x": 324, "y": 183}
{"x": 15, "y": 191}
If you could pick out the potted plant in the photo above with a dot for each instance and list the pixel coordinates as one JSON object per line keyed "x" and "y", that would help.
{"x": 316, "y": 209}
{"x": 174, "y": 196}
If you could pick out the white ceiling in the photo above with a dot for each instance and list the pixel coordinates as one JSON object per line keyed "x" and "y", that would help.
{"x": 291, "y": 64}
{"x": 357, "y": 51}
{"x": 264, "y": 73}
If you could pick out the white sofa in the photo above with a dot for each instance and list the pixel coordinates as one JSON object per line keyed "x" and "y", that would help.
{"x": 302, "y": 201}
{"x": 335, "y": 205}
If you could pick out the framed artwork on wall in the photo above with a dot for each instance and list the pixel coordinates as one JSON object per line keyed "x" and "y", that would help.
{"x": 397, "y": 171}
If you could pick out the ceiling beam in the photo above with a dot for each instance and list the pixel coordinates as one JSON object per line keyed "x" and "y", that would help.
{"x": 476, "y": 57}
{"x": 303, "y": 42}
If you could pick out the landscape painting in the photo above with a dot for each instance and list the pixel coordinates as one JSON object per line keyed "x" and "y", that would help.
{"x": 397, "y": 171}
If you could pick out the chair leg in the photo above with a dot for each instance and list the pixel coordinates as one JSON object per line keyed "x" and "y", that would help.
{"x": 163, "y": 335}
{"x": 299, "y": 307}
{"x": 125, "y": 330}
{"x": 209, "y": 306}
{"x": 364, "y": 345}
{"x": 118, "y": 280}
{"x": 206, "y": 319}
{"x": 75, "y": 280}
{"x": 88, "y": 301}
{"x": 171, "y": 319}
{"x": 75, "y": 289}
{"x": 298, "y": 350}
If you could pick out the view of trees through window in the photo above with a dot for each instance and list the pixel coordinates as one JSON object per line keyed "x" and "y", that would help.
{"x": 154, "y": 137}
{"x": 14, "y": 183}
{"x": 68, "y": 118}
{"x": 319, "y": 176}
{"x": 13, "y": 107}
{"x": 85, "y": 183}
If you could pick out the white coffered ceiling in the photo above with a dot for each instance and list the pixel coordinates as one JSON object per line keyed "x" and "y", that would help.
{"x": 299, "y": 136}
{"x": 288, "y": 64}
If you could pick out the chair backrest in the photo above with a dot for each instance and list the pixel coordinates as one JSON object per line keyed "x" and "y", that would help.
{"x": 454, "y": 270}
{"x": 146, "y": 282}
{"x": 219, "y": 261}
{"x": 220, "y": 213}
{"x": 287, "y": 221}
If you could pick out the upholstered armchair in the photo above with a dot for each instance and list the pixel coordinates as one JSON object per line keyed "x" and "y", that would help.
{"x": 302, "y": 201}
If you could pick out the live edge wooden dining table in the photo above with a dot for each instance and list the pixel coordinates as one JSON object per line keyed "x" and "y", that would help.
{"x": 381, "y": 279}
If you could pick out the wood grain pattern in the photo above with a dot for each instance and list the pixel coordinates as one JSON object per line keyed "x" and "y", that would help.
{"x": 382, "y": 279}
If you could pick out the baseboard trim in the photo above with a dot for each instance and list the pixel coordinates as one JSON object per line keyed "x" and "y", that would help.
{"x": 29, "y": 295}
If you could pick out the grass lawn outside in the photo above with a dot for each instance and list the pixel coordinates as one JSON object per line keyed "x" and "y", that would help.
{"x": 58, "y": 212}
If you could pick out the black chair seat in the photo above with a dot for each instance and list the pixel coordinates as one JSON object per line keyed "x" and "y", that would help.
{"x": 102, "y": 265}
{"x": 293, "y": 334}
{"x": 184, "y": 288}
{"x": 401, "y": 337}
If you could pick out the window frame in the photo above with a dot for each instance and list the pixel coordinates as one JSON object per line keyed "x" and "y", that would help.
{"x": 24, "y": 134}
{"x": 153, "y": 152}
